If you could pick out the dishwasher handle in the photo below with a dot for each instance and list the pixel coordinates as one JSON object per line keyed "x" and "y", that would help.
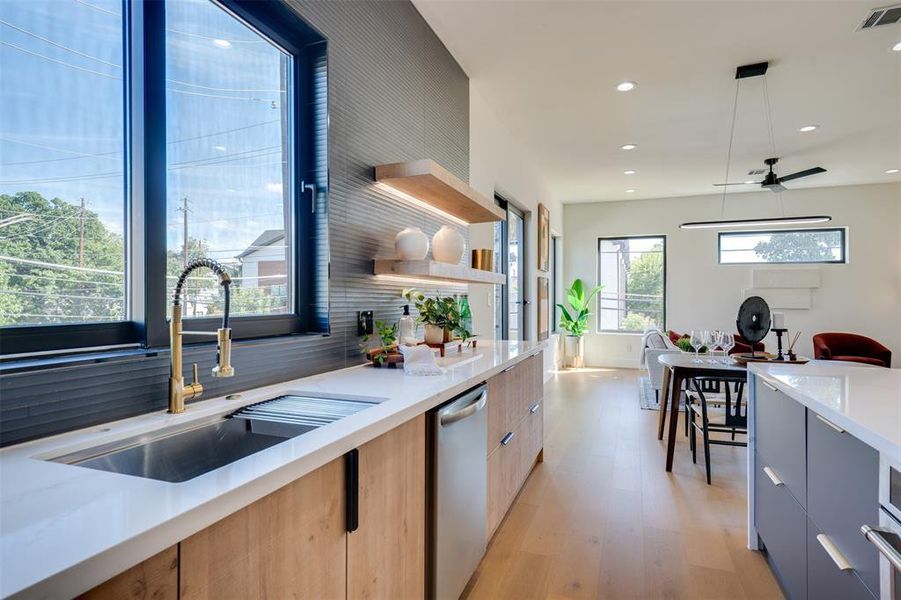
{"x": 475, "y": 406}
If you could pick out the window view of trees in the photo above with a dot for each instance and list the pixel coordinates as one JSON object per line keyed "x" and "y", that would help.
{"x": 786, "y": 246}
{"x": 632, "y": 273}
{"x": 63, "y": 169}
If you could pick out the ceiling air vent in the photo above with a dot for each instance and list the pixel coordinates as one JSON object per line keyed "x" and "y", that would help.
{"x": 888, "y": 15}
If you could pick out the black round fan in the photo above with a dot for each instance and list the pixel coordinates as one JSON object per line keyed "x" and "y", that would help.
{"x": 753, "y": 320}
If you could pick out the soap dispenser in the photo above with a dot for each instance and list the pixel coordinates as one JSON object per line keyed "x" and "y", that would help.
{"x": 407, "y": 328}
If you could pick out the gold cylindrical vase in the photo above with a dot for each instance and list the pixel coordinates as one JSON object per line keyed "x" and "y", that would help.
{"x": 483, "y": 259}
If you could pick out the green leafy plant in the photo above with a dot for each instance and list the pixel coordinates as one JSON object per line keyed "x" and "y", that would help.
{"x": 387, "y": 336}
{"x": 574, "y": 320}
{"x": 441, "y": 312}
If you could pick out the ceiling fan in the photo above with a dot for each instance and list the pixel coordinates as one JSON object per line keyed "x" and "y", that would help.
{"x": 773, "y": 182}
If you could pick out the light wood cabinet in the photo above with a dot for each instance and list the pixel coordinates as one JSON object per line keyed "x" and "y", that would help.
{"x": 156, "y": 578}
{"x": 290, "y": 544}
{"x": 516, "y": 415}
{"x": 294, "y": 542}
{"x": 386, "y": 553}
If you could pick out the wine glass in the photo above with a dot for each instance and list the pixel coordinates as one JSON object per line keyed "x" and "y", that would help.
{"x": 727, "y": 345}
{"x": 696, "y": 340}
{"x": 707, "y": 342}
{"x": 717, "y": 341}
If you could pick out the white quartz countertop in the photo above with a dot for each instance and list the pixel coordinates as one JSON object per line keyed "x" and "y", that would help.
{"x": 864, "y": 401}
{"x": 65, "y": 529}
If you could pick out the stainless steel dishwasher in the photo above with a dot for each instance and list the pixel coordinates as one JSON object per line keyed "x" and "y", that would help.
{"x": 459, "y": 491}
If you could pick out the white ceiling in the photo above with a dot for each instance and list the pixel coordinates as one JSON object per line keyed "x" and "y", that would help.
{"x": 549, "y": 70}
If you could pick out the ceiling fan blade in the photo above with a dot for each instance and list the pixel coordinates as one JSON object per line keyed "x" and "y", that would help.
{"x": 801, "y": 174}
{"x": 738, "y": 183}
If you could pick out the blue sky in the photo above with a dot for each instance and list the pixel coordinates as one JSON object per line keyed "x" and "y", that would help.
{"x": 62, "y": 122}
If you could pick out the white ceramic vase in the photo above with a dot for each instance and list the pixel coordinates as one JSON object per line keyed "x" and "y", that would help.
{"x": 411, "y": 244}
{"x": 448, "y": 245}
{"x": 574, "y": 351}
{"x": 436, "y": 335}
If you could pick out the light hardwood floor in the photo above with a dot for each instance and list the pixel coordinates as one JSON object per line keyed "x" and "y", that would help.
{"x": 600, "y": 518}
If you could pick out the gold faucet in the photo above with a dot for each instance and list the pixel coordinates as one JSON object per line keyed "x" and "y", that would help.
{"x": 178, "y": 390}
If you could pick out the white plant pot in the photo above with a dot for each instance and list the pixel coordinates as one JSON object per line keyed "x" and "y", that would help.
{"x": 573, "y": 351}
{"x": 448, "y": 245}
{"x": 436, "y": 335}
{"x": 411, "y": 244}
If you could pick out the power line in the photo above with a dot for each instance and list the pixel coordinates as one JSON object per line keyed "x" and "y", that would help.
{"x": 61, "y": 62}
{"x": 58, "y": 45}
{"x": 48, "y": 265}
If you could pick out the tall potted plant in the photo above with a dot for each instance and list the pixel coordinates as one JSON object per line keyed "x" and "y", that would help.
{"x": 574, "y": 321}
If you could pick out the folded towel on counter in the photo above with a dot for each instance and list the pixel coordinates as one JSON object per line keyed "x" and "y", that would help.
{"x": 420, "y": 360}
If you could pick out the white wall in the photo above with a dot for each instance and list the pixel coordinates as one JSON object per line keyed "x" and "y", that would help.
{"x": 497, "y": 163}
{"x": 863, "y": 296}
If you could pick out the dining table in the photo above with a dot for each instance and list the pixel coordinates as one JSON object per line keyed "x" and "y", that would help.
{"x": 678, "y": 368}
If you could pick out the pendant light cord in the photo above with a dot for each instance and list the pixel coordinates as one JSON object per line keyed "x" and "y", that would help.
{"x": 729, "y": 153}
{"x": 769, "y": 123}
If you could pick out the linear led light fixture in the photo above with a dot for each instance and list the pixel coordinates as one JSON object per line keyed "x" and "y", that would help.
{"x": 416, "y": 201}
{"x": 433, "y": 283}
{"x": 755, "y": 222}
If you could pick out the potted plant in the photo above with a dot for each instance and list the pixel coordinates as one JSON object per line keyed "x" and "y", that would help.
{"x": 386, "y": 334}
{"x": 574, "y": 320}
{"x": 440, "y": 316}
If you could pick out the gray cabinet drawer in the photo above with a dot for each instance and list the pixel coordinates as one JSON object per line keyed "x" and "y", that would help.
{"x": 842, "y": 493}
{"x": 782, "y": 526}
{"x": 825, "y": 580}
{"x": 780, "y": 437}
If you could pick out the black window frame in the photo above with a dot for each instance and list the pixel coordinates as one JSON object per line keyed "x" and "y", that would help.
{"x": 147, "y": 293}
{"x": 843, "y": 231}
{"x": 598, "y": 299}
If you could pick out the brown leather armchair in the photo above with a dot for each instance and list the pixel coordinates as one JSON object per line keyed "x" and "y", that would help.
{"x": 852, "y": 348}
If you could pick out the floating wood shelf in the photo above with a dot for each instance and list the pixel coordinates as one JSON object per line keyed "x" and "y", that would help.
{"x": 430, "y": 269}
{"x": 429, "y": 182}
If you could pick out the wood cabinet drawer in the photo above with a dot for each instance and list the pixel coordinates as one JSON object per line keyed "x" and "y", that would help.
{"x": 825, "y": 580}
{"x": 781, "y": 437}
{"x": 842, "y": 493}
{"x": 782, "y": 525}
{"x": 502, "y": 393}
{"x": 504, "y": 476}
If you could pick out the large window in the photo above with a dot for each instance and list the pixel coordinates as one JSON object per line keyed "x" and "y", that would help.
{"x": 62, "y": 163}
{"x": 137, "y": 136}
{"x": 783, "y": 246}
{"x": 633, "y": 273}
{"x": 228, "y": 152}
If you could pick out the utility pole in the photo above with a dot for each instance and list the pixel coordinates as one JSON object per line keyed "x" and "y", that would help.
{"x": 81, "y": 236}
{"x": 184, "y": 248}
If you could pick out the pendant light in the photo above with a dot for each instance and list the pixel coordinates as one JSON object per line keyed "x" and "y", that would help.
{"x": 771, "y": 182}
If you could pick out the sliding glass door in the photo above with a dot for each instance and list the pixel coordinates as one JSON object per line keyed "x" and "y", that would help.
{"x": 510, "y": 251}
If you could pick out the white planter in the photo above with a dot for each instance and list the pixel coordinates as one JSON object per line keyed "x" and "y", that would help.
{"x": 436, "y": 335}
{"x": 573, "y": 351}
{"x": 411, "y": 244}
{"x": 448, "y": 245}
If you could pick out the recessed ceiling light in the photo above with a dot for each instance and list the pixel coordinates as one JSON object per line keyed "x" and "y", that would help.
{"x": 892, "y": 171}
{"x": 629, "y": 172}
{"x": 630, "y": 191}
{"x": 807, "y": 128}
{"x": 897, "y": 47}
{"x": 628, "y": 147}
{"x": 222, "y": 43}
{"x": 626, "y": 86}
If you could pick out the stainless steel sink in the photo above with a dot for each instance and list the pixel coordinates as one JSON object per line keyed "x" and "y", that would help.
{"x": 177, "y": 455}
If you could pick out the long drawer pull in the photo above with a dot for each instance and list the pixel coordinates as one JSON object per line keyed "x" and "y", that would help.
{"x": 773, "y": 477}
{"x": 875, "y": 536}
{"x": 769, "y": 385}
{"x": 506, "y": 439}
{"x": 508, "y": 369}
{"x": 834, "y": 553}
{"x": 534, "y": 408}
{"x": 829, "y": 423}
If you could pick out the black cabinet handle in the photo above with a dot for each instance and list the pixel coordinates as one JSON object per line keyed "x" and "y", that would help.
{"x": 352, "y": 489}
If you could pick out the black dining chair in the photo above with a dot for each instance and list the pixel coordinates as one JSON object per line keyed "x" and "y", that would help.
{"x": 734, "y": 417}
